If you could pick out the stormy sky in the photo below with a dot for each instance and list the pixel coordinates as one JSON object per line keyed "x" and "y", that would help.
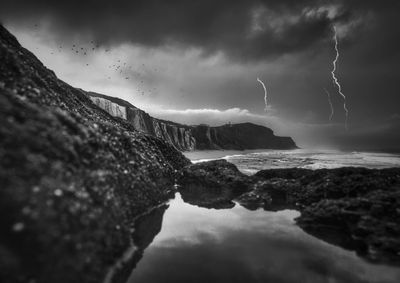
{"x": 198, "y": 61}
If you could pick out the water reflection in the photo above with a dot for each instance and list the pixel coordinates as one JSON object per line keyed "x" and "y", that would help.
{"x": 237, "y": 245}
{"x": 146, "y": 228}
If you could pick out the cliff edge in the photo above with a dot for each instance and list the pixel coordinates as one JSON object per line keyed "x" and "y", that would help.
{"x": 199, "y": 137}
{"x": 238, "y": 137}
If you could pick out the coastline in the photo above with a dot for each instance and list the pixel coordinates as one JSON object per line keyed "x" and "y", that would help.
{"x": 73, "y": 179}
{"x": 252, "y": 161}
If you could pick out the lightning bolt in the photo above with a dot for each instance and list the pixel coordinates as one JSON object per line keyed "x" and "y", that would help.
{"x": 335, "y": 79}
{"x": 265, "y": 94}
{"x": 330, "y": 104}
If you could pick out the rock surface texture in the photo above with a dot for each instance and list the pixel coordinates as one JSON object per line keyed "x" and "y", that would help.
{"x": 72, "y": 177}
{"x": 178, "y": 135}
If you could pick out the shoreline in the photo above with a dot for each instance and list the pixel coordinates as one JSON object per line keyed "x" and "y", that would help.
{"x": 360, "y": 204}
{"x": 252, "y": 161}
{"x": 73, "y": 178}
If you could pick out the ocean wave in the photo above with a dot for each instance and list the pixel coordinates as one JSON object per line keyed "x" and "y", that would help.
{"x": 253, "y": 161}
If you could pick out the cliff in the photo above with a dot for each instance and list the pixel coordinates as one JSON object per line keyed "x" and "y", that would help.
{"x": 178, "y": 135}
{"x": 239, "y": 137}
{"x": 72, "y": 177}
{"x": 202, "y": 137}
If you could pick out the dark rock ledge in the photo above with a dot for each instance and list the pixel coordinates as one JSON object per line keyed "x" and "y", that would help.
{"x": 72, "y": 177}
{"x": 356, "y": 208}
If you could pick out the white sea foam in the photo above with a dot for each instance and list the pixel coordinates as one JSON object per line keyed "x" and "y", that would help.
{"x": 252, "y": 161}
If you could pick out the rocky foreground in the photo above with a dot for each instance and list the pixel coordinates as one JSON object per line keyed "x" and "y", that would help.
{"x": 72, "y": 177}
{"x": 355, "y": 208}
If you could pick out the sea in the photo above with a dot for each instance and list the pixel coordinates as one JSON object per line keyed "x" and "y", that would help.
{"x": 251, "y": 161}
{"x": 185, "y": 243}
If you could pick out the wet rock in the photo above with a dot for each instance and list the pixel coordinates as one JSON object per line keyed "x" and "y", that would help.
{"x": 217, "y": 174}
{"x": 254, "y": 200}
{"x": 371, "y": 222}
{"x": 72, "y": 177}
{"x": 212, "y": 184}
{"x": 286, "y": 174}
{"x": 206, "y": 197}
{"x": 358, "y": 206}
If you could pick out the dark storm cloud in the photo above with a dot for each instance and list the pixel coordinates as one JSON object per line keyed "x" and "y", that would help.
{"x": 227, "y": 26}
{"x": 254, "y": 34}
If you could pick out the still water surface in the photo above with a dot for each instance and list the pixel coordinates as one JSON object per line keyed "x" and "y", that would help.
{"x": 238, "y": 245}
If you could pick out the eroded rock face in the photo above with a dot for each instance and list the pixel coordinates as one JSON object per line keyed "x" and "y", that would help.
{"x": 72, "y": 177}
{"x": 178, "y": 135}
{"x": 112, "y": 108}
{"x": 235, "y": 137}
{"x": 356, "y": 208}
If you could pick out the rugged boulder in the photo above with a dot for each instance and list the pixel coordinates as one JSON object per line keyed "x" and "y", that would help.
{"x": 212, "y": 184}
{"x": 72, "y": 177}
